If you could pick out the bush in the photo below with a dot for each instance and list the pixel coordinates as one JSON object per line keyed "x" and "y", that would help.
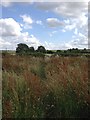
{"x": 49, "y": 52}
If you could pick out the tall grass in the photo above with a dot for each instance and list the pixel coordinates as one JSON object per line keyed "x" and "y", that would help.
{"x": 36, "y": 88}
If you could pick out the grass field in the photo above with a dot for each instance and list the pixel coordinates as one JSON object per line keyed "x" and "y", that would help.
{"x": 52, "y": 87}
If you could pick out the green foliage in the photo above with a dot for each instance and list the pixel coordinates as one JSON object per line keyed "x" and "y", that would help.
{"x": 41, "y": 49}
{"x": 58, "y": 51}
{"x": 22, "y": 49}
{"x": 50, "y": 52}
{"x": 31, "y": 49}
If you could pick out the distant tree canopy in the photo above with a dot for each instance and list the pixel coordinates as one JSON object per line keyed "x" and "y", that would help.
{"x": 31, "y": 49}
{"x": 58, "y": 51}
{"x": 22, "y": 48}
{"x": 41, "y": 49}
{"x": 50, "y": 52}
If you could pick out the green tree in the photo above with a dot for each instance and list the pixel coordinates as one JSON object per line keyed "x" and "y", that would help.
{"x": 41, "y": 49}
{"x": 58, "y": 51}
{"x": 22, "y": 49}
{"x": 50, "y": 52}
{"x": 31, "y": 49}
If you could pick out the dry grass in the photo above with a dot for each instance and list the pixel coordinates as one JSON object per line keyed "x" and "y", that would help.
{"x": 34, "y": 87}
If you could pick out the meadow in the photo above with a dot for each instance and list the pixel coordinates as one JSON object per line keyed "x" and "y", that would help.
{"x": 45, "y": 87}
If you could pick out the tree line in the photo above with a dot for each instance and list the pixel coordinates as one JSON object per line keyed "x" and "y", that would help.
{"x": 25, "y": 49}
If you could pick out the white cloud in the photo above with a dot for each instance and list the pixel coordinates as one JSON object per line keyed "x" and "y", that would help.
{"x": 73, "y": 13}
{"x": 54, "y": 22}
{"x": 39, "y": 22}
{"x": 63, "y": 30}
{"x": 30, "y": 40}
{"x": 72, "y": 10}
{"x": 9, "y": 27}
{"x": 27, "y": 19}
{"x": 11, "y": 35}
{"x": 89, "y": 31}
{"x": 76, "y": 31}
{"x": 66, "y": 9}
{"x": 11, "y": 42}
{"x": 50, "y": 45}
{"x": 52, "y": 33}
{"x": 74, "y": 18}
{"x": 47, "y": 5}
{"x": 70, "y": 27}
{"x": 27, "y": 26}
{"x": 79, "y": 23}
{"x": 78, "y": 41}
{"x": 5, "y": 3}
{"x": 4, "y": 44}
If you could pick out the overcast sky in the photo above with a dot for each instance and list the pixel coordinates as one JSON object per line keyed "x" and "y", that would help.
{"x": 55, "y": 25}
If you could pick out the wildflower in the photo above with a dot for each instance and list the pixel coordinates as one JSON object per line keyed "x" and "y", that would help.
{"x": 85, "y": 101}
{"x": 28, "y": 89}
{"x": 52, "y": 106}
{"x": 38, "y": 98}
{"x": 33, "y": 116}
{"x": 47, "y": 95}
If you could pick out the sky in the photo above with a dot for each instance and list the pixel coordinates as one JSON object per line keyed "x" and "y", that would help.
{"x": 53, "y": 24}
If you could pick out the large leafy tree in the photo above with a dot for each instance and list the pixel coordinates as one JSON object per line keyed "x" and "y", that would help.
{"x": 31, "y": 49}
{"x": 22, "y": 48}
{"x": 41, "y": 49}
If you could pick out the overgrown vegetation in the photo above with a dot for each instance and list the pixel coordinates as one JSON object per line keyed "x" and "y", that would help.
{"x": 45, "y": 87}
